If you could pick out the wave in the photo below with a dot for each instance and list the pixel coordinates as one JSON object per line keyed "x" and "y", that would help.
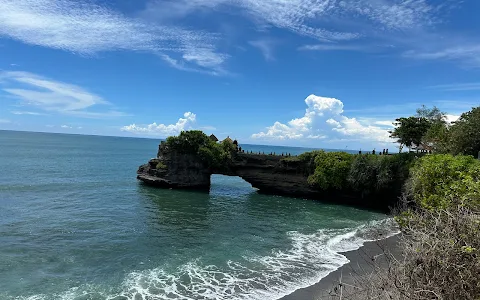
{"x": 310, "y": 258}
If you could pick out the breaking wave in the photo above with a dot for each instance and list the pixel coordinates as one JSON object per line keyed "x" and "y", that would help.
{"x": 310, "y": 258}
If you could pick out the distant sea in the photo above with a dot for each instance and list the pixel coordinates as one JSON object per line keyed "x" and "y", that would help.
{"x": 76, "y": 224}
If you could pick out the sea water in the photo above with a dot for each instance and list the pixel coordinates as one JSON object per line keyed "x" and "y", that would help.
{"x": 76, "y": 224}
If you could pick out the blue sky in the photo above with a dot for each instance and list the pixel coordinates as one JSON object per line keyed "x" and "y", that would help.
{"x": 315, "y": 73}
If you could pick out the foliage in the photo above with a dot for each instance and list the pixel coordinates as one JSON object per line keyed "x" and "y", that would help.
{"x": 443, "y": 180}
{"x": 439, "y": 259}
{"x": 371, "y": 174}
{"x": 188, "y": 141}
{"x": 214, "y": 155}
{"x": 428, "y": 128}
{"x": 465, "y": 133}
{"x": 433, "y": 114}
{"x": 331, "y": 169}
{"x": 410, "y": 131}
{"x": 161, "y": 166}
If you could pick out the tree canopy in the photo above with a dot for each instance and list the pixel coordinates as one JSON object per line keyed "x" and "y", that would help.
{"x": 410, "y": 131}
{"x": 429, "y": 128}
{"x": 465, "y": 133}
{"x": 214, "y": 155}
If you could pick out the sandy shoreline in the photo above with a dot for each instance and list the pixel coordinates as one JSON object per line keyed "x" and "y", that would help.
{"x": 360, "y": 262}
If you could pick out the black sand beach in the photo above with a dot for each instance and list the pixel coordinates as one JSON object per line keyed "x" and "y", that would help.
{"x": 360, "y": 263}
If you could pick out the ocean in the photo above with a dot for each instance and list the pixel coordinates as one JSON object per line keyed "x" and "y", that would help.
{"x": 76, "y": 224}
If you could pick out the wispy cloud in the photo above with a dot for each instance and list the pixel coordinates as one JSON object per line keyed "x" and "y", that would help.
{"x": 465, "y": 52}
{"x": 163, "y": 130}
{"x": 470, "y": 86}
{"x": 332, "y": 47}
{"x": 86, "y": 28}
{"x": 31, "y": 113}
{"x": 54, "y": 96}
{"x": 4, "y": 121}
{"x": 66, "y": 127}
{"x": 310, "y": 17}
{"x": 266, "y": 47}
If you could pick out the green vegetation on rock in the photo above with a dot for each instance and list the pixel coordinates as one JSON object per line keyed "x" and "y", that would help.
{"x": 195, "y": 142}
{"x": 364, "y": 173}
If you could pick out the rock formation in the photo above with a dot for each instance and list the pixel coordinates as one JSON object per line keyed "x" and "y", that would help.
{"x": 268, "y": 173}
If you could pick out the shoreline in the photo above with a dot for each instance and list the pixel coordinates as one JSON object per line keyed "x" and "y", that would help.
{"x": 360, "y": 261}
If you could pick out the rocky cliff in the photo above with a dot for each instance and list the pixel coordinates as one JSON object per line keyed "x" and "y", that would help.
{"x": 267, "y": 173}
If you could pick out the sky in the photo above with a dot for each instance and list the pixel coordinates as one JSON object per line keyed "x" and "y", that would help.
{"x": 312, "y": 73}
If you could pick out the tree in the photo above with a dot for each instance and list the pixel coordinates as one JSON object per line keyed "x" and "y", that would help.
{"x": 410, "y": 131}
{"x": 433, "y": 114}
{"x": 436, "y": 137}
{"x": 465, "y": 133}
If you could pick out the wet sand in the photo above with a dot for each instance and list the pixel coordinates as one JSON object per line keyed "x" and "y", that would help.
{"x": 360, "y": 263}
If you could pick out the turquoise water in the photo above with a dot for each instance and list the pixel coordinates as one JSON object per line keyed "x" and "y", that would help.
{"x": 76, "y": 224}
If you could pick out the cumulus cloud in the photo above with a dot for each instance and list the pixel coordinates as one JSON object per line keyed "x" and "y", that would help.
{"x": 66, "y": 127}
{"x": 324, "y": 119}
{"x": 54, "y": 96}
{"x": 452, "y": 118}
{"x": 155, "y": 129}
{"x": 86, "y": 28}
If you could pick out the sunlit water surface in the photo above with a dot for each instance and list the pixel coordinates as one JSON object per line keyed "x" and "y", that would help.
{"x": 76, "y": 224}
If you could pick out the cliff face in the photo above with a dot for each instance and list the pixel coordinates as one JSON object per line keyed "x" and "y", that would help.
{"x": 175, "y": 170}
{"x": 269, "y": 174}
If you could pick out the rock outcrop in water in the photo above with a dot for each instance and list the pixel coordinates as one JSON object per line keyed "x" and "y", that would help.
{"x": 187, "y": 161}
{"x": 268, "y": 173}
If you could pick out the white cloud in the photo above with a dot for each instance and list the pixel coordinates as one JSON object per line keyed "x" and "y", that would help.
{"x": 4, "y": 121}
{"x": 311, "y": 17}
{"x": 162, "y": 129}
{"x": 468, "y": 53}
{"x": 31, "y": 113}
{"x": 54, "y": 96}
{"x": 324, "y": 119}
{"x": 353, "y": 128}
{"x": 332, "y": 47}
{"x": 334, "y": 123}
{"x": 452, "y": 118}
{"x": 66, "y": 127}
{"x": 266, "y": 47}
{"x": 384, "y": 123}
{"x": 469, "y": 86}
{"x": 86, "y": 28}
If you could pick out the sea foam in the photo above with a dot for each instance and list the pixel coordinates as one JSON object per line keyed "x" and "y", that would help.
{"x": 310, "y": 258}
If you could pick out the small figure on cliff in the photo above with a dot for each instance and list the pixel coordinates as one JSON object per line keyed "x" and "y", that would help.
{"x": 386, "y": 151}
{"x": 373, "y": 152}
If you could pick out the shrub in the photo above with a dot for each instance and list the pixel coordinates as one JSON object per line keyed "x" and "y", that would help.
{"x": 371, "y": 174}
{"x": 161, "y": 166}
{"x": 331, "y": 169}
{"x": 439, "y": 259}
{"x": 195, "y": 142}
{"x": 440, "y": 181}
